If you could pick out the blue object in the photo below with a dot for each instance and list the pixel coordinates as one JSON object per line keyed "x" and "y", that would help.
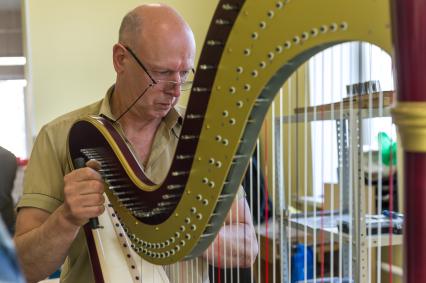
{"x": 298, "y": 263}
{"x": 330, "y": 280}
{"x": 10, "y": 271}
{"x": 392, "y": 214}
{"x": 55, "y": 274}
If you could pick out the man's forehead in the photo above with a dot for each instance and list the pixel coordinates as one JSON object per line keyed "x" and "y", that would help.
{"x": 173, "y": 56}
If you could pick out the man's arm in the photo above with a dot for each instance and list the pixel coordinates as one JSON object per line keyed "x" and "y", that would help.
{"x": 239, "y": 238}
{"x": 43, "y": 239}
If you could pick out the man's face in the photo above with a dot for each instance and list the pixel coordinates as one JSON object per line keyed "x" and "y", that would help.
{"x": 163, "y": 74}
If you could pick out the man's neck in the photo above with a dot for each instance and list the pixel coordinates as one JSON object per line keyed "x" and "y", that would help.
{"x": 138, "y": 130}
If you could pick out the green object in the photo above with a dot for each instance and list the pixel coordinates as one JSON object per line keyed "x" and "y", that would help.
{"x": 387, "y": 146}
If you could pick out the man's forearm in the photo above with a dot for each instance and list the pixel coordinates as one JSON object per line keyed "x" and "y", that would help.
{"x": 237, "y": 245}
{"x": 42, "y": 250}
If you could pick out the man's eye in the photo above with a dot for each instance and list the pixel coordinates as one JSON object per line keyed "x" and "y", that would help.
{"x": 162, "y": 73}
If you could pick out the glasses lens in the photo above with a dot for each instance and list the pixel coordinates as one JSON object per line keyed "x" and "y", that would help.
{"x": 171, "y": 85}
{"x": 186, "y": 86}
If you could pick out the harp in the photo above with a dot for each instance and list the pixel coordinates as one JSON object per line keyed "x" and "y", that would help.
{"x": 252, "y": 49}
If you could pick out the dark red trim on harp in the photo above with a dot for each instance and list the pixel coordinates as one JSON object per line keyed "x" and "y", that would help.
{"x": 124, "y": 148}
{"x": 409, "y": 22}
{"x": 93, "y": 254}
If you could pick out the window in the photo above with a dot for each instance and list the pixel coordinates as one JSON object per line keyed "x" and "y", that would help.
{"x": 12, "y": 117}
{"x": 330, "y": 72}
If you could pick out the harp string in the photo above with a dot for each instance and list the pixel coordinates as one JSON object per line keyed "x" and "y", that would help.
{"x": 281, "y": 184}
{"x": 370, "y": 160}
{"x": 305, "y": 208}
{"x": 290, "y": 185}
{"x": 251, "y": 206}
{"x": 273, "y": 208}
{"x": 322, "y": 240}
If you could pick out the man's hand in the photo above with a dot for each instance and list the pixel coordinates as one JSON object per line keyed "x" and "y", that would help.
{"x": 83, "y": 194}
{"x": 238, "y": 235}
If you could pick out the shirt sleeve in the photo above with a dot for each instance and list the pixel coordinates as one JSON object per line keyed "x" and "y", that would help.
{"x": 43, "y": 180}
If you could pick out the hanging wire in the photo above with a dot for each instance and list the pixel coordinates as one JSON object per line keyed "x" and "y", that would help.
{"x": 134, "y": 102}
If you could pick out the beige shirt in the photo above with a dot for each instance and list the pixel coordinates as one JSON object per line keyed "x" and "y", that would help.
{"x": 43, "y": 184}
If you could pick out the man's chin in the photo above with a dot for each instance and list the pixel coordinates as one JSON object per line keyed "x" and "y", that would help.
{"x": 162, "y": 111}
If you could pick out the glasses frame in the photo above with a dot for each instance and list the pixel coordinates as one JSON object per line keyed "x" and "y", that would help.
{"x": 154, "y": 81}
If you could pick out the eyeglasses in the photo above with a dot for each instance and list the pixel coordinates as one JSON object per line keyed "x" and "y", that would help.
{"x": 165, "y": 85}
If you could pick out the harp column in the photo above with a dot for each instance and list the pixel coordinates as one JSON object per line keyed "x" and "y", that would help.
{"x": 409, "y": 22}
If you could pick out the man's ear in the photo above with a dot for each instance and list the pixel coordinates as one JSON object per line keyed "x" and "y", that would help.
{"x": 118, "y": 57}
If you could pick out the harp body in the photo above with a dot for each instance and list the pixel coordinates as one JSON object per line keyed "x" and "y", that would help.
{"x": 247, "y": 57}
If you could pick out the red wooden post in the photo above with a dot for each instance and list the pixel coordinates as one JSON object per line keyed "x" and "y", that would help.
{"x": 409, "y": 37}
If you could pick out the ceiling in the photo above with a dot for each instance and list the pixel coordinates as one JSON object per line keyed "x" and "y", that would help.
{"x": 10, "y": 4}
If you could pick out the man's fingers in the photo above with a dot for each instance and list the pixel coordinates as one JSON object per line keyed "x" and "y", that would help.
{"x": 83, "y": 174}
{"x": 91, "y": 187}
{"x": 93, "y": 200}
{"x": 94, "y": 164}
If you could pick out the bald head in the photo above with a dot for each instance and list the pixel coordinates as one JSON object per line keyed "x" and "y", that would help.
{"x": 149, "y": 20}
{"x": 159, "y": 37}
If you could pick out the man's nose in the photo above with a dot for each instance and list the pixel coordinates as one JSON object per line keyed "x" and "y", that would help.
{"x": 174, "y": 90}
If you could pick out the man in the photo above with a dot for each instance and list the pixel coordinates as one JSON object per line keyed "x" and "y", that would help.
{"x": 57, "y": 202}
{"x": 8, "y": 167}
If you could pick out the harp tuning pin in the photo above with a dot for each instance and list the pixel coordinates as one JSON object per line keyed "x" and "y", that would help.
{"x": 229, "y": 7}
{"x": 222, "y": 22}
{"x": 214, "y": 42}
